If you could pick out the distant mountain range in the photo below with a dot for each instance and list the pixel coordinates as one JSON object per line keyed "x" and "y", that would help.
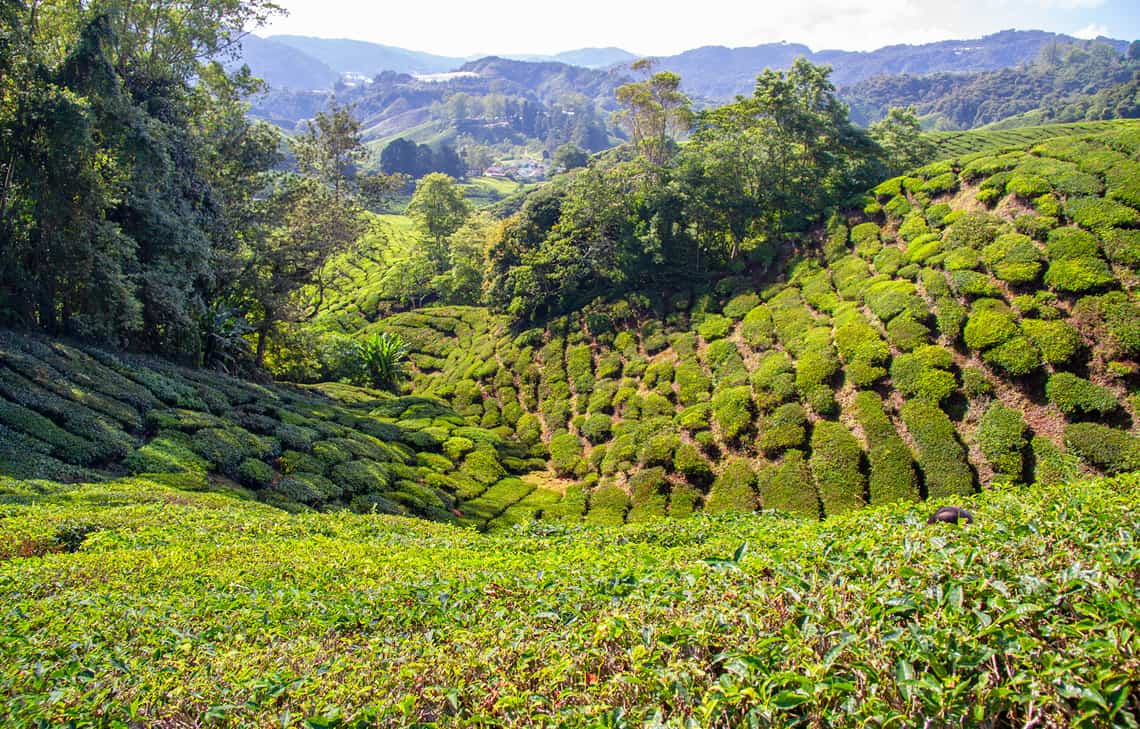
{"x": 539, "y": 102}
{"x": 712, "y": 73}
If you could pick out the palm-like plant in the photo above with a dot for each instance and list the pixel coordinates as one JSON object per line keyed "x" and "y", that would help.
{"x": 383, "y": 359}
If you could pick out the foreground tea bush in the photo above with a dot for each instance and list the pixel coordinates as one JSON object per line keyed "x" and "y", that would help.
{"x": 137, "y": 603}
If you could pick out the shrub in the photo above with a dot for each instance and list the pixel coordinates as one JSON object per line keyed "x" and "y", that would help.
{"x": 255, "y": 474}
{"x": 974, "y": 230}
{"x": 1078, "y": 275}
{"x": 565, "y": 454}
{"x": 1116, "y": 317}
{"x": 865, "y": 238}
{"x": 483, "y": 466}
{"x": 226, "y": 448}
{"x": 1111, "y": 450}
{"x": 1027, "y": 187}
{"x": 658, "y": 450}
{"x": 893, "y": 477}
{"x": 1017, "y": 356}
{"x": 529, "y": 429}
{"x": 789, "y": 486}
{"x": 1001, "y": 438}
{"x": 1122, "y": 246}
{"x": 785, "y": 428}
{"x": 455, "y": 446}
{"x": 170, "y": 452}
{"x": 906, "y": 333}
{"x": 821, "y": 400}
{"x": 1077, "y": 396}
{"x": 1051, "y": 465}
{"x": 914, "y": 376}
{"x": 888, "y": 260}
{"x": 949, "y": 315}
{"x": 835, "y": 464}
{"x": 975, "y": 383}
{"x": 988, "y": 327}
{"x": 757, "y": 328}
{"x": 1097, "y": 213}
{"x": 715, "y": 326}
{"x": 596, "y": 428}
{"x": 1069, "y": 242}
{"x": 973, "y": 284}
{"x": 739, "y": 306}
{"x": 1013, "y": 257}
{"x": 888, "y": 299}
{"x": 1057, "y": 341}
{"x": 608, "y": 506}
{"x": 960, "y": 259}
{"x": 732, "y": 411}
{"x": 815, "y": 367}
{"x": 688, "y": 461}
{"x": 683, "y": 501}
{"x": 941, "y": 456}
{"x": 734, "y": 489}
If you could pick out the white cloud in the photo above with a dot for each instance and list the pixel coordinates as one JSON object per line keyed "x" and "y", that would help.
{"x": 1090, "y": 31}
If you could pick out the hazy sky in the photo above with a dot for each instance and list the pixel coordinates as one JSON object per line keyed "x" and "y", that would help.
{"x": 661, "y": 27}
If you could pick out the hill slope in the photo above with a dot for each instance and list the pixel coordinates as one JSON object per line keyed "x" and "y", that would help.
{"x": 975, "y": 323}
{"x": 71, "y": 413}
{"x": 133, "y": 603}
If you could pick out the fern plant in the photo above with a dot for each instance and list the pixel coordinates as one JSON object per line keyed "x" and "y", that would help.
{"x": 384, "y": 360}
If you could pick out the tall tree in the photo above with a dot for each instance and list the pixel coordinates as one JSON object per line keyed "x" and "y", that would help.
{"x": 656, "y": 112}
{"x": 312, "y": 218}
{"x": 438, "y": 206}
{"x": 775, "y": 162}
{"x": 899, "y": 134}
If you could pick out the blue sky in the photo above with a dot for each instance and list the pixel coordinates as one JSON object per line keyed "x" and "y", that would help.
{"x": 467, "y": 27}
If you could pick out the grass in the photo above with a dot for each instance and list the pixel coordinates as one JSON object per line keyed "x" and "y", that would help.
{"x": 137, "y": 602}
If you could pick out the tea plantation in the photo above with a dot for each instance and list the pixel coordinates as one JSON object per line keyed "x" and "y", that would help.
{"x": 69, "y": 413}
{"x": 975, "y": 323}
{"x": 134, "y": 602}
{"x": 551, "y": 529}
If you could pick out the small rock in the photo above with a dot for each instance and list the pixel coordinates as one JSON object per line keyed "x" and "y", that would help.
{"x": 951, "y": 515}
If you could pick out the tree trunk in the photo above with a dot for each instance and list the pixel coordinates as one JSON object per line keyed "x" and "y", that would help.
{"x": 262, "y": 340}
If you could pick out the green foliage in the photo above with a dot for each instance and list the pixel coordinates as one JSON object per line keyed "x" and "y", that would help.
{"x": 1078, "y": 275}
{"x": 1058, "y": 341}
{"x": 626, "y": 581}
{"x": 836, "y": 465}
{"x": 383, "y": 360}
{"x": 1109, "y": 449}
{"x": 732, "y": 411}
{"x": 734, "y": 488}
{"x": 940, "y": 455}
{"x": 1002, "y": 439}
{"x": 924, "y": 374}
{"x": 784, "y": 428}
{"x": 893, "y": 477}
{"x": 1077, "y": 396}
{"x": 1051, "y": 465}
{"x": 1097, "y": 213}
{"x": 988, "y": 327}
{"x": 1070, "y": 242}
{"x": 565, "y": 454}
{"x": 714, "y": 327}
{"x": 1017, "y": 356}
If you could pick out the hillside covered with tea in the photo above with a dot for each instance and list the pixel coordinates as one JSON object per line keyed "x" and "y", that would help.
{"x": 972, "y": 324}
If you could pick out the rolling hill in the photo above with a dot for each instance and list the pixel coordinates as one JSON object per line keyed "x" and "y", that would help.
{"x": 944, "y": 343}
